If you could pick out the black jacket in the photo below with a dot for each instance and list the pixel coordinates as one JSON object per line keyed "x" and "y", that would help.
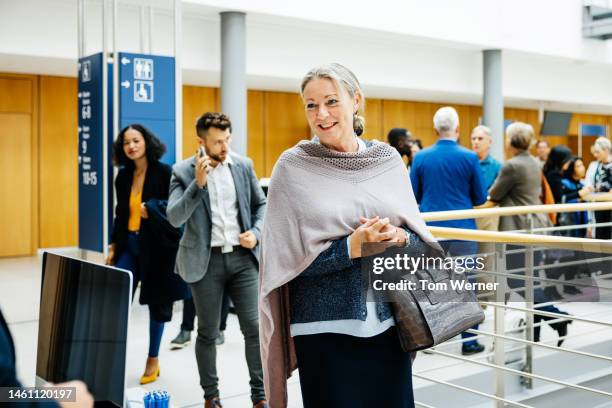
{"x": 554, "y": 179}
{"x": 157, "y": 257}
{"x": 8, "y": 376}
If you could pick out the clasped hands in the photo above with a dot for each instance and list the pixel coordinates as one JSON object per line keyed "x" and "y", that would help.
{"x": 374, "y": 230}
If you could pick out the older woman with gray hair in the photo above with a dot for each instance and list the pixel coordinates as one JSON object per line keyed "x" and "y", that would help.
{"x": 518, "y": 182}
{"x": 327, "y": 197}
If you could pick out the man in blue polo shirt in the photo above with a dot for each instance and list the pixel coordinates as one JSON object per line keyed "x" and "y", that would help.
{"x": 447, "y": 176}
{"x": 482, "y": 140}
{"x": 481, "y": 145}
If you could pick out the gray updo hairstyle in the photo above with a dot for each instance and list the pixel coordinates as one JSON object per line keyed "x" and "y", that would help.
{"x": 520, "y": 135}
{"x": 342, "y": 76}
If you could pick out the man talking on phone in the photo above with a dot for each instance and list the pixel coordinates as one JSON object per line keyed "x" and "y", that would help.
{"x": 217, "y": 196}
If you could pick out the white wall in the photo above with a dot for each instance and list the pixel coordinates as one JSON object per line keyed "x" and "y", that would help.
{"x": 419, "y": 50}
{"x": 547, "y": 27}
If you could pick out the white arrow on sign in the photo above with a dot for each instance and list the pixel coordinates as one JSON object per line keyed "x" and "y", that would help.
{"x": 125, "y": 61}
{"x": 125, "y": 84}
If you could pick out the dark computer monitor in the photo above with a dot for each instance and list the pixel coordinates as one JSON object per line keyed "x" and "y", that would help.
{"x": 555, "y": 123}
{"x": 83, "y": 326}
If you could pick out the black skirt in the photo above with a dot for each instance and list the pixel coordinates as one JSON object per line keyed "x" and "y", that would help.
{"x": 339, "y": 371}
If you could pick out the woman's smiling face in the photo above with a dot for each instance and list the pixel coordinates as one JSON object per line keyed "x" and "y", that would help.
{"x": 134, "y": 145}
{"x": 329, "y": 110}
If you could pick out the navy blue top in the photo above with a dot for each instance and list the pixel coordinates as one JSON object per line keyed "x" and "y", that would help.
{"x": 332, "y": 288}
{"x": 447, "y": 176}
{"x": 570, "y": 189}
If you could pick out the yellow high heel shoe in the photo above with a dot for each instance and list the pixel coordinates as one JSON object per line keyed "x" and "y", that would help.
{"x": 146, "y": 379}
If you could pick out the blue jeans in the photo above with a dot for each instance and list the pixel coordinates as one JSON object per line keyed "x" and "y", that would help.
{"x": 128, "y": 259}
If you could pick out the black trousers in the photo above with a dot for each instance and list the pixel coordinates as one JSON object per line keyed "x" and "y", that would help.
{"x": 603, "y": 232}
{"x": 343, "y": 371}
{"x": 189, "y": 313}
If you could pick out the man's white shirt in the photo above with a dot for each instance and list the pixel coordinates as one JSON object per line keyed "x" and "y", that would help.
{"x": 223, "y": 206}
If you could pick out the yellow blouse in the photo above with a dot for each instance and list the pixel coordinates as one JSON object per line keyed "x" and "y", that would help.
{"x": 134, "y": 220}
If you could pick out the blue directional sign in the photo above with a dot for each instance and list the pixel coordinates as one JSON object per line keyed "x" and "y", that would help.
{"x": 147, "y": 86}
{"x": 147, "y": 96}
{"x": 91, "y": 167}
{"x": 593, "y": 130}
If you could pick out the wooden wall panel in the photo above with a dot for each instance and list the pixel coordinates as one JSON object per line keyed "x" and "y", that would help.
{"x": 256, "y": 131}
{"x": 276, "y": 123}
{"x": 587, "y": 141}
{"x": 424, "y": 129}
{"x": 587, "y": 119}
{"x": 285, "y": 125}
{"x": 534, "y": 120}
{"x": 58, "y": 191}
{"x": 423, "y": 124}
{"x": 398, "y": 114}
{"x": 417, "y": 117}
{"x": 465, "y": 125}
{"x": 374, "y": 120}
{"x": 16, "y": 93}
{"x": 17, "y": 203}
{"x": 18, "y": 164}
{"x": 196, "y": 101}
{"x": 474, "y": 115}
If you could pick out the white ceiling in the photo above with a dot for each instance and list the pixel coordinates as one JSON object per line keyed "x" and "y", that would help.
{"x": 393, "y": 61}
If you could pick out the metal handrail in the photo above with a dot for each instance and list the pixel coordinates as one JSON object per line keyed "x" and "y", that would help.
{"x": 516, "y": 210}
{"x": 550, "y": 314}
{"x": 511, "y": 275}
{"x": 420, "y": 404}
{"x": 566, "y": 227}
{"x": 533, "y": 343}
{"x": 548, "y": 322}
{"x": 566, "y": 263}
{"x": 549, "y": 241}
{"x": 483, "y": 394}
{"x": 524, "y": 374}
{"x": 509, "y": 350}
{"x": 532, "y": 241}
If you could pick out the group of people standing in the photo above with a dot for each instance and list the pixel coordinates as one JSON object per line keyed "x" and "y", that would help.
{"x": 571, "y": 181}
{"x": 291, "y": 262}
{"x": 447, "y": 176}
{"x": 295, "y": 279}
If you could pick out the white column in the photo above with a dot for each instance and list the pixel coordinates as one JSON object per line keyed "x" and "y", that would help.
{"x": 233, "y": 76}
{"x": 493, "y": 100}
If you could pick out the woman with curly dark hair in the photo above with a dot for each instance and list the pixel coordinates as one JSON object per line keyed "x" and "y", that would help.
{"x": 143, "y": 242}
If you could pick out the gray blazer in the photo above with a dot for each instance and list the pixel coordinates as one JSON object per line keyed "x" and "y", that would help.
{"x": 519, "y": 183}
{"x": 190, "y": 205}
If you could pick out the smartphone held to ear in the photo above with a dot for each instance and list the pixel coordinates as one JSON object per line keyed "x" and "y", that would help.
{"x": 201, "y": 151}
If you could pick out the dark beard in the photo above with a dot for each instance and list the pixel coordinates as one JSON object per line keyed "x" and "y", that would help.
{"x": 216, "y": 157}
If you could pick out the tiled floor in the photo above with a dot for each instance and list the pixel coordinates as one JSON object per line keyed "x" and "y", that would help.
{"x": 19, "y": 300}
